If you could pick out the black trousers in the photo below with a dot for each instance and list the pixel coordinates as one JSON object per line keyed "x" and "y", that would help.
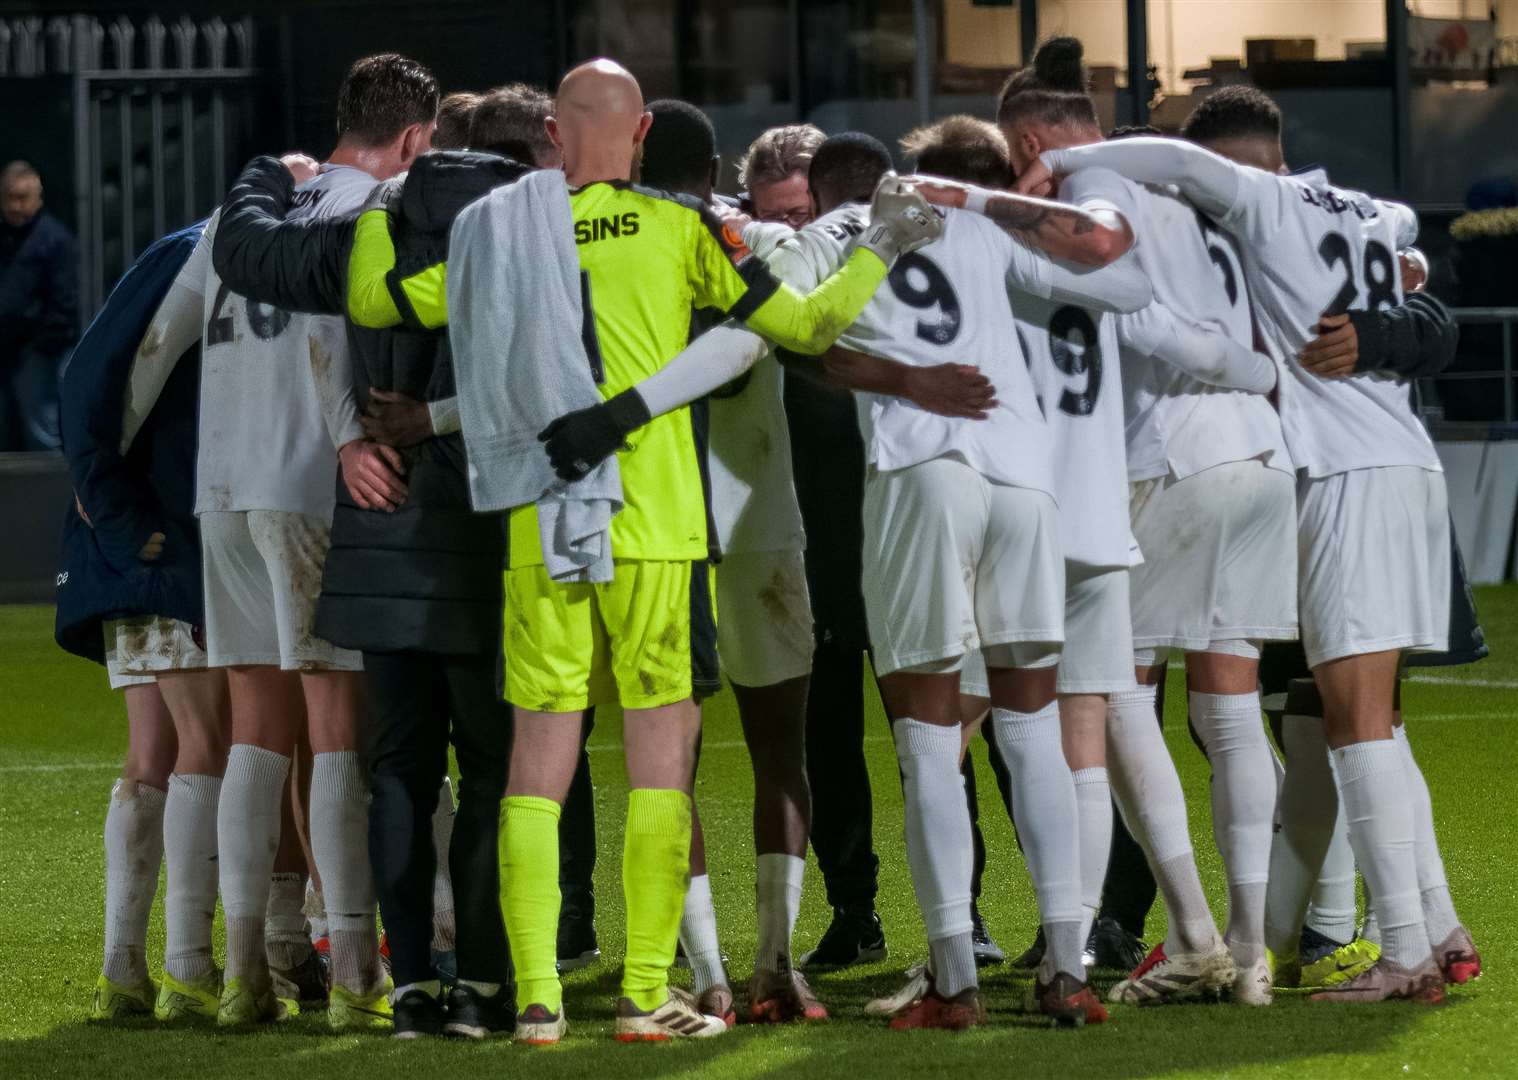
{"x": 577, "y": 839}
{"x": 842, "y": 810}
{"x": 828, "y": 456}
{"x": 419, "y": 702}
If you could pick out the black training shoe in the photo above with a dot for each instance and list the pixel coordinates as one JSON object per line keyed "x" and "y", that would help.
{"x": 472, "y": 1015}
{"x": 417, "y": 1013}
{"x": 578, "y": 946}
{"x": 853, "y": 937}
{"x": 1111, "y": 946}
{"x": 305, "y": 983}
{"x": 986, "y": 950}
{"x": 1316, "y": 946}
{"x": 1033, "y": 955}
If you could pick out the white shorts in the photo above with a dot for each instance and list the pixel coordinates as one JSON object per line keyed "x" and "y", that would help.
{"x": 1098, "y": 653}
{"x": 1219, "y": 558}
{"x": 139, "y": 647}
{"x": 1375, "y": 550}
{"x": 764, "y": 617}
{"x": 954, "y": 563}
{"x": 263, "y": 574}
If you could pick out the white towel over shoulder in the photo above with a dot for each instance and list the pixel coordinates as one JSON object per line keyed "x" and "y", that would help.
{"x": 515, "y": 314}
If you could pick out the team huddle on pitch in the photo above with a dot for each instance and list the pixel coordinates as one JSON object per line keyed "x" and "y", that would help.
{"x": 502, "y": 414}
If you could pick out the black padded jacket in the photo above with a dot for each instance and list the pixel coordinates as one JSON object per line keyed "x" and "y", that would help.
{"x": 428, "y": 576}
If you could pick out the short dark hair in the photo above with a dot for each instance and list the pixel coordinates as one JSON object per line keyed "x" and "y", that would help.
{"x": 679, "y": 148}
{"x": 1133, "y": 131}
{"x": 510, "y": 119}
{"x": 1053, "y": 90}
{"x": 383, "y": 95}
{"x": 961, "y": 148}
{"x": 453, "y": 115}
{"x": 1234, "y": 112}
{"x": 848, "y": 166}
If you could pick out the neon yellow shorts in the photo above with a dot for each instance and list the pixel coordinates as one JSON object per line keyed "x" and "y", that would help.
{"x": 571, "y": 646}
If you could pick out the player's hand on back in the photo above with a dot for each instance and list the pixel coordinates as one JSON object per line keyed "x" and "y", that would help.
{"x": 957, "y": 390}
{"x": 901, "y": 221}
{"x": 1333, "y": 353}
{"x": 152, "y": 550}
{"x": 395, "y": 419}
{"x": 373, "y": 475}
{"x": 579, "y": 441}
{"x": 302, "y": 167}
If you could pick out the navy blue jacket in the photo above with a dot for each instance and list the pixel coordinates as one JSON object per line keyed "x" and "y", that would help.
{"x": 150, "y": 489}
{"x": 39, "y": 289}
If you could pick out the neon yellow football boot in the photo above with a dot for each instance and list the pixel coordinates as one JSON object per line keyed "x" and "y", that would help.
{"x": 1344, "y": 963}
{"x": 348, "y": 1010}
{"x": 241, "y": 1006}
{"x": 199, "y": 1000}
{"x": 116, "y": 1002}
{"x": 1285, "y": 970}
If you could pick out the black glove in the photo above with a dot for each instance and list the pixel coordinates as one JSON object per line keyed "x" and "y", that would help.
{"x": 579, "y": 441}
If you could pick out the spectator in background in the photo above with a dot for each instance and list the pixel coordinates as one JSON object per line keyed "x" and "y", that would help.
{"x": 39, "y": 311}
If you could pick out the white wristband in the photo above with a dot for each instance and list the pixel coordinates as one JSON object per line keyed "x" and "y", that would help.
{"x": 976, "y": 199}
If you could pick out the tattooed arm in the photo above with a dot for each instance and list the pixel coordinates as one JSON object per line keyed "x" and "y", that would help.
{"x": 1091, "y": 238}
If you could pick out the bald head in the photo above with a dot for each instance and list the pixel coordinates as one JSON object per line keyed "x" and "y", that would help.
{"x": 598, "y": 122}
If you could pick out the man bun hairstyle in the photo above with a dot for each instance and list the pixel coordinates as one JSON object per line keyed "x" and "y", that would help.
{"x": 847, "y": 167}
{"x": 453, "y": 116}
{"x": 961, "y": 148}
{"x": 679, "y": 147}
{"x": 383, "y": 95}
{"x": 1234, "y": 112}
{"x": 511, "y": 120}
{"x": 1053, "y": 91}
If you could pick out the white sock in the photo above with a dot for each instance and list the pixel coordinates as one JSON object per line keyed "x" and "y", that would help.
{"x": 777, "y": 890}
{"x": 247, "y": 836}
{"x": 315, "y": 910}
{"x": 1373, "y": 785}
{"x": 189, "y": 850}
{"x": 698, "y": 935}
{"x": 1093, "y": 805}
{"x": 1371, "y": 929}
{"x": 442, "y": 883}
{"x": 1333, "y": 908}
{"x": 1308, "y": 808}
{"x": 940, "y": 851}
{"x": 1044, "y": 807}
{"x": 286, "y": 940}
{"x": 1243, "y": 809}
{"x": 1438, "y": 906}
{"x": 340, "y": 845}
{"x": 432, "y": 988}
{"x": 133, "y": 853}
{"x": 1148, "y": 792}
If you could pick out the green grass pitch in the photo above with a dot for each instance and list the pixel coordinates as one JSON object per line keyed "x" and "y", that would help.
{"x": 64, "y": 732}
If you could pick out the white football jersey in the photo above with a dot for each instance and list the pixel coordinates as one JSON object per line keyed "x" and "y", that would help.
{"x": 1072, "y": 354}
{"x": 753, "y": 483}
{"x": 946, "y": 303}
{"x": 1311, "y": 249}
{"x": 1178, "y": 425}
{"x": 276, "y": 388}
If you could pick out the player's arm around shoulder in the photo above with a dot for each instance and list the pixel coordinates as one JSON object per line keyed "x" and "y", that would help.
{"x": 295, "y": 265}
{"x": 381, "y": 295}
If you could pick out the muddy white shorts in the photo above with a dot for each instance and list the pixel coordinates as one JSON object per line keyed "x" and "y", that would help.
{"x": 1375, "y": 551}
{"x": 139, "y": 647}
{"x": 764, "y": 617}
{"x": 954, "y": 563}
{"x": 263, "y": 574}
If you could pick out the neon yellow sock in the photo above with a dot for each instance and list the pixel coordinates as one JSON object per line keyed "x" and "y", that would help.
{"x": 655, "y": 875}
{"x": 529, "y": 857}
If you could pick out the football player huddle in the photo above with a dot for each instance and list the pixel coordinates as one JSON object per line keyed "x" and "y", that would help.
{"x": 502, "y": 413}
